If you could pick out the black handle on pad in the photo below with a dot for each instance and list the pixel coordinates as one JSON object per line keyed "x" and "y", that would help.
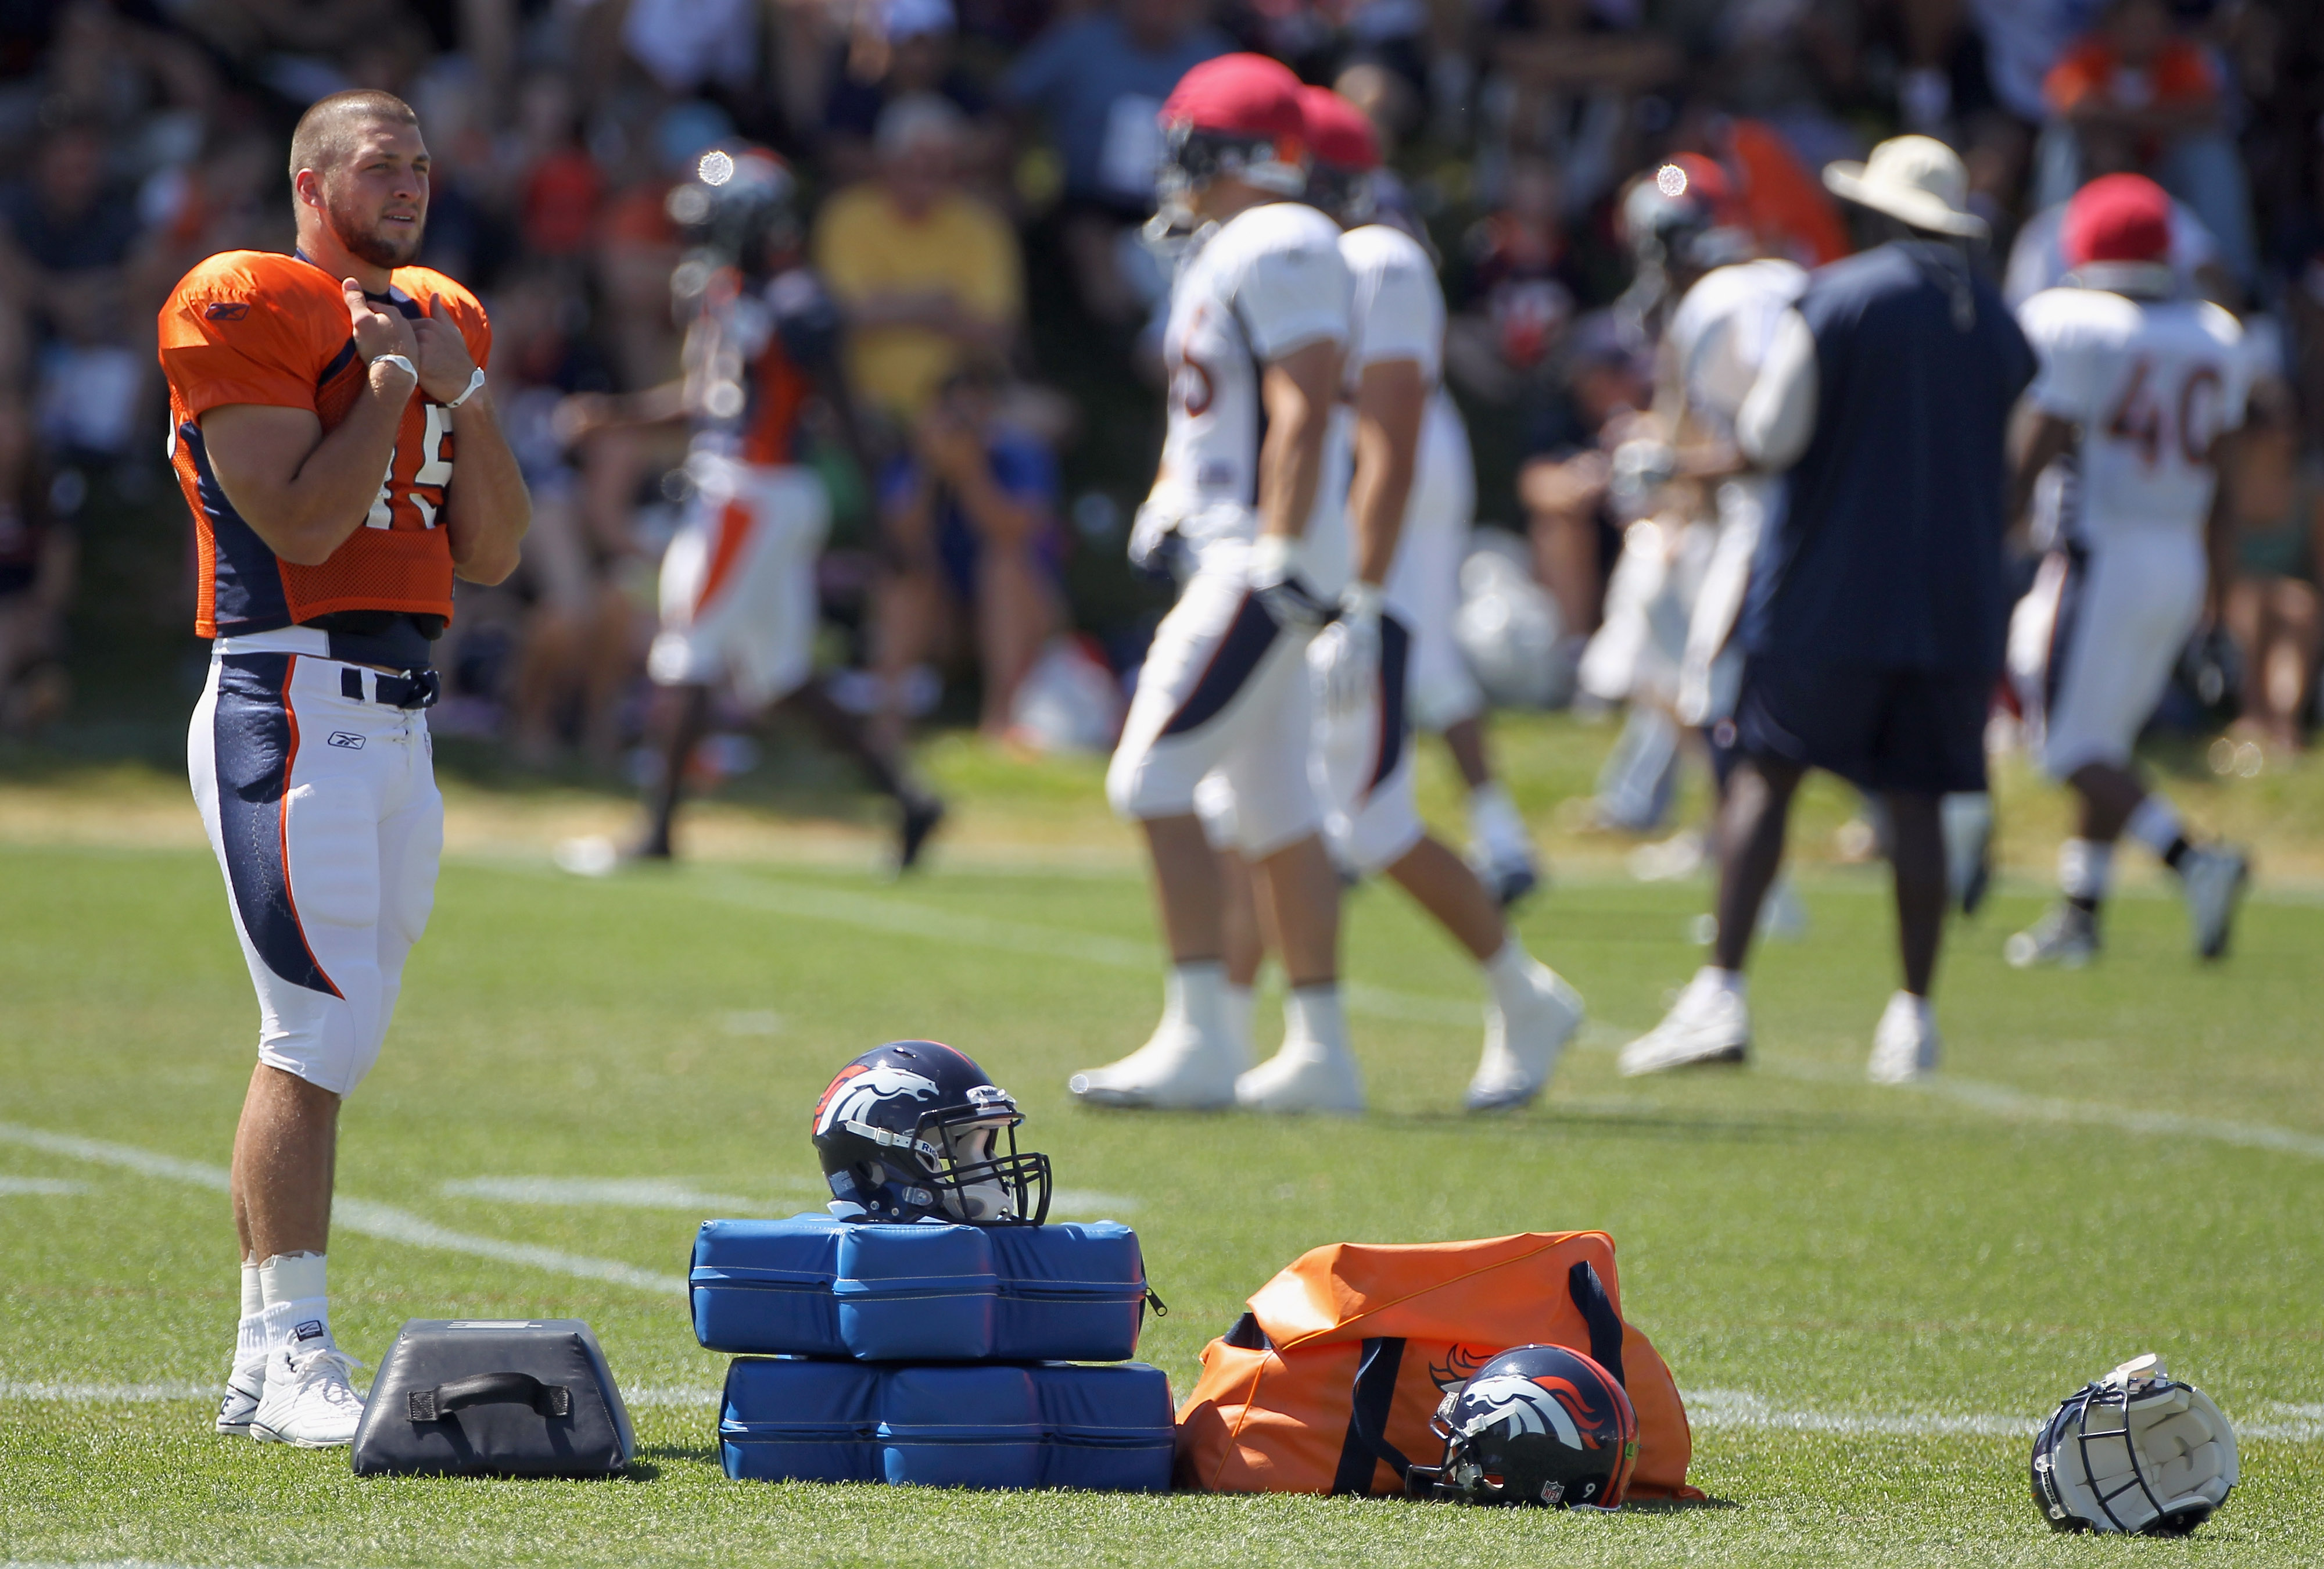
{"x": 490, "y": 1389}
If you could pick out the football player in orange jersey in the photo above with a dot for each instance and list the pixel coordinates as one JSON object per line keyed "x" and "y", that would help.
{"x": 331, "y": 427}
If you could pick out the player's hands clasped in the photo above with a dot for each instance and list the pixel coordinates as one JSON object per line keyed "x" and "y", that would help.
{"x": 376, "y": 331}
{"x": 446, "y": 366}
{"x": 1285, "y": 595}
{"x": 1346, "y": 654}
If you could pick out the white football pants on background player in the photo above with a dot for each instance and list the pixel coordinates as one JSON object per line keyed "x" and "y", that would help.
{"x": 1222, "y": 688}
{"x": 738, "y": 593}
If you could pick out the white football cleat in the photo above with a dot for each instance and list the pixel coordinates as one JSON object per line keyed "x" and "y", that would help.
{"x": 1521, "y": 1046}
{"x": 1304, "y": 1076}
{"x": 2213, "y": 878}
{"x": 244, "y": 1388}
{"x": 309, "y": 1402}
{"x": 1708, "y": 1024}
{"x": 1178, "y": 1069}
{"x": 1904, "y": 1046}
{"x": 2066, "y": 938}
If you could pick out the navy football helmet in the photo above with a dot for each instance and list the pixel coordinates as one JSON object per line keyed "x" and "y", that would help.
{"x": 738, "y": 210}
{"x": 1539, "y": 1424}
{"x": 910, "y": 1131}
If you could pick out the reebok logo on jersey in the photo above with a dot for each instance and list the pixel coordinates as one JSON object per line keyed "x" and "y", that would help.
{"x": 227, "y": 311}
{"x": 346, "y": 738}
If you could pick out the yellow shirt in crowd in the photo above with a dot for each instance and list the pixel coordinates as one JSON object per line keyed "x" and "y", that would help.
{"x": 863, "y": 247}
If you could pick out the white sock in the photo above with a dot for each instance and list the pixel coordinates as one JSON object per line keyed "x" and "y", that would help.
{"x": 2085, "y": 868}
{"x": 2154, "y": 823}
{"x": 298, "y": 1306}
{"x": 1510, "y": 976}
{"x": 1313, "y": 1019}
{"x": 1493, "y": 820}
{"x": 1711, "y": 978}
{"x": 1199, "y": 988}
{"x": 1241, "y": 1003}
{"x": 249, "y": 1329}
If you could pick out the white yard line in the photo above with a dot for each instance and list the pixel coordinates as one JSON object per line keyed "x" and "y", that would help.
{"x": 672, "y": 1192}
{"x": 50, "y": 1186}
{"x": 2021, "y": 1106}
{"x": 901, "y": 917}
{"x": 1705, "y": 1408}
{"x": 361, "y": 1216}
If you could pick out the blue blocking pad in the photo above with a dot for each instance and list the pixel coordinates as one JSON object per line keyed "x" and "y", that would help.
{"x": 812, "y": 1285}
{"x": 1049, "y": 1424}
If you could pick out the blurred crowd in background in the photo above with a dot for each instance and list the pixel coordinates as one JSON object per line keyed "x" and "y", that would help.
{"x": 973, "y": 176}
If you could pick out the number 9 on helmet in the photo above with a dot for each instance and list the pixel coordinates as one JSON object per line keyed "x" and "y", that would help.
{"x": 912, "y": 1131}
{"x": 1539, "y": 1424}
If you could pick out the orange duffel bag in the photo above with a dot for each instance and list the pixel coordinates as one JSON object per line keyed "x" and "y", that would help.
{"x": 1328, "y": 1383}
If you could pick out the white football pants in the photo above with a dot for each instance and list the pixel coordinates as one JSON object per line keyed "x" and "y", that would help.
{"x": 321, "y": 806}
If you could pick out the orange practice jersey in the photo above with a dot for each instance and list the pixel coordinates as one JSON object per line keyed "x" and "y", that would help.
{"x": 254, "y": 326}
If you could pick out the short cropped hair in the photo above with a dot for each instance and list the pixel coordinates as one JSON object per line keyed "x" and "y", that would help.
{"x": 327, "y": 132}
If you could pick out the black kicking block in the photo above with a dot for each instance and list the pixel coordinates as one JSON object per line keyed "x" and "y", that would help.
{"x": 481, "y": 1396}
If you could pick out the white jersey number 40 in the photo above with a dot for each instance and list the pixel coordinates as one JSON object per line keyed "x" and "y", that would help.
{"x": 2153, "y": 420}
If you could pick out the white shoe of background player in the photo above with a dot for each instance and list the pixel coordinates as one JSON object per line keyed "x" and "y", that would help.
{"x": 1904, "y": 1046}
{"x": 1306, "y": 1076}
{"x": 309, "y": 1403}
{"x": 2213, "y": 878}
{"x": 245, "y": 1386}
{"x": 1708, "y": 1024}
{"x": 1522, "y": 1045}
{"x": 1180, "y": 1068}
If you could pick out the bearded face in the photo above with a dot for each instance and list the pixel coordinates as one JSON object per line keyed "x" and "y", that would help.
{"x": 374, "y": 226}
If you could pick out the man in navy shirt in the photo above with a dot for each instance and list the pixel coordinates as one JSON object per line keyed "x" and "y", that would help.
{"x": 1874, "y": 629}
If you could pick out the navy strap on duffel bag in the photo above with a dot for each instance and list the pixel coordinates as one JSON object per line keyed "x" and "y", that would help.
{"x": 516, "y": 1397}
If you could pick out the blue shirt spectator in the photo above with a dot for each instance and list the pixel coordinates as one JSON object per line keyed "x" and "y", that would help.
{"x": 1100, "y": 78}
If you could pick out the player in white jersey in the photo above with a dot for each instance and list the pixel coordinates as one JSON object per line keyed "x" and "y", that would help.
{"x": 1396, "y": 483}
{"x": 1258, "y": 322}
{"x": 2138, "y": 388}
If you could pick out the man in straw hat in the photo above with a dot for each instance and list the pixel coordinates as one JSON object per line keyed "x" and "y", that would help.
{"x": 1874, "y": 629}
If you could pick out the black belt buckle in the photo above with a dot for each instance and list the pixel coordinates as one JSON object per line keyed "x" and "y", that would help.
{"x": 420, "y": 690}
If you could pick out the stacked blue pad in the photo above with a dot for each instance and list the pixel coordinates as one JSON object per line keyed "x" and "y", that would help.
{"x": 954, "y": 1340}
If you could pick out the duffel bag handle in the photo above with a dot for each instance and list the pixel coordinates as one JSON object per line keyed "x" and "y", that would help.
{"x": 490, "y": 1389}
{"x": 1596, "y": 1310}
{"x": 1366, "y": 1442}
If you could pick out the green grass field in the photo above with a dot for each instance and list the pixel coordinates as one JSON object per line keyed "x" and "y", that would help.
{"x": 1869, "y": 1295}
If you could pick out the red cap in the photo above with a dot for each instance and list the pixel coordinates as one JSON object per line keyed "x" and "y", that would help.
{"x": 1707, "y": 183}
{"x": 1243, "y": 95}
{"x": 1338, "y": 132}
{"x": 2117, "y": 217}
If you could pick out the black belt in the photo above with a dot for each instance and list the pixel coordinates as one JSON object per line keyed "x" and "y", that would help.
{"x": 416, "y": 689}
{"x": 394, "y": 638}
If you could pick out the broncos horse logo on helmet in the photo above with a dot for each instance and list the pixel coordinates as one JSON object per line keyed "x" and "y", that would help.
{"x": 1538, "y": 1425}
{"x": 910, "y": 1130}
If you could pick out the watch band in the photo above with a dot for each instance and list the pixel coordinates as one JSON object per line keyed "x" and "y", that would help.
{"x": 468, "y": 391}
{"x": 397, "y": 359}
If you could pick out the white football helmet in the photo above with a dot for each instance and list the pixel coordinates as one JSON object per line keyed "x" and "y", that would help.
{"x": 1507, "y": 627}
{"x": 2136, "y": 1451}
